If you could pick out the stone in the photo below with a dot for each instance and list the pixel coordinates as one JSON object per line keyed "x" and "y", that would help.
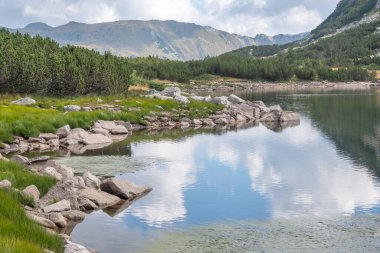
{"x": 71, "y": 247}
{"x": 39, "y": 159}
{"x": 197, "y": 122}
{"x": 108, "y": 125}
{"x": 48, "y": 136}
{"x": 41, "y": 220}
{"x": 119, "y": 129}
{"x": 289, "y": 116}
{"x": 66, "y": 171}
{"x": 102, "y": 131}
{"x": 273, "y": 116}
{"x": 86, "y": 204}
{"x": 63, "y": 190}
{"x": 221, "y": 121}
{"x": 31, "y": 192}
{"x": 64, "y": 131}
{"x": 74, "y": 215}
{"x": 126, "y": 124}
{"x": 24, "y": 101}
{"x": 198, "y": 98}
{"x": 58, "y": 219}
{"x": 93, "y": 139}
{"x": 240, "y": 118}
{"x": 72, "y": 108}
{"x": 54, "y": 143}
{"x": 21, "y": 159}
{"x": 171, "y": 92}
{"x": 91, "y": 180}
{"x": 235, "y": 99}
{"x": 44, "y": 147}
{"x": 276, "y": 108}
{"x": 208, "y": 122}
{"x": 123, "y": 188}
{"x": 182, "y": 99}
{"x": 100, "y": 198}
{"x": 63, "y": 205}
{"x": 87, "y": 109}
{"x": 50, "y": 171}
{"x": 5, "y": 184}
{"x": 78, "y": 182}
{"x": 220, "y": 100}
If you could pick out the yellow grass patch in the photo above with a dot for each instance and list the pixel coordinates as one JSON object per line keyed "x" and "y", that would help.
{"x": 377, "y": 74}
{"x": 138, "y": 88}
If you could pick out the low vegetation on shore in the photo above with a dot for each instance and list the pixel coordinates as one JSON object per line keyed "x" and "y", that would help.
{"x": 18, "y": 234}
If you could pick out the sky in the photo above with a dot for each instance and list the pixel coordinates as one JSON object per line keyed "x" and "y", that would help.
{"x": 245, "y": 17}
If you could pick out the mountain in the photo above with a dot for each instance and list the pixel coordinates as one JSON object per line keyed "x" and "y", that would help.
{"x": 165, "y": 39}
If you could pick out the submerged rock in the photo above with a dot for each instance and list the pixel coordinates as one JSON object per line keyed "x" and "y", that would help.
{"x": 123, "y": 188}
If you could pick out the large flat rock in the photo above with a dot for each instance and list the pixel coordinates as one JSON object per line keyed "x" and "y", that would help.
{"x": 100, "y": 198}
{"x": 123, "y": 188}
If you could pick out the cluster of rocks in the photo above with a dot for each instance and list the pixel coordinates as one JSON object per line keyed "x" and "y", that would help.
{"x": 236, "y": 111}
{"x": 102, "y": 133}
{"x": 169, "y": 93}
{"x": 73, "y": 196}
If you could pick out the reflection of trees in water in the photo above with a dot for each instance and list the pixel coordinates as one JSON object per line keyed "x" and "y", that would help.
{"x": 352, "y": 121}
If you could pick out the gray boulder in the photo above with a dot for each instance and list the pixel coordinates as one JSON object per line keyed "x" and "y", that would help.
{"x": 119, "y": 129}
{"x": 91, "y": 180}
{"x": 235, "y": 99}
{"x": 31, "y": 192}
{"x": 71, "y": 247}
{"x": 5, "y": 184}
{"x": 41, "y": 220}
{"x": 93, "y": 139}
{"x": 289, "y": 116}
{"x": 72, "y": 108}
{"x": 123, "y": 188}
{"x": 182, "y": 99}
{"x": 63, "y": 205}
{"x": 48, "y": 136}
{"x": 24, "y": 101}
{"x": 100, "y": 198}
{"x": 21, "y": 159}
{"x": 74, "y": 215}
{"x": 64, "y": 131}
{"x": 39, "y": 159}
{"x": 220, "y": 100}
{"x": 273, "y": 116}
{"x": 276, "y": 108}
{"x": 171, "y": 92}
{"x": 58, "y": 219}
{"x": 50, "y": 171}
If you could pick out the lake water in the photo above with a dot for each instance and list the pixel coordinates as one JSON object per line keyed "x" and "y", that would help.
{"x": 314, "y": 187}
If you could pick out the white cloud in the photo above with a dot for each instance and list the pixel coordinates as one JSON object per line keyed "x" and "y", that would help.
{"x": 247, "y": 17}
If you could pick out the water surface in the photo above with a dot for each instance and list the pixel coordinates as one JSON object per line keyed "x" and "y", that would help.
{"x": 214, "y": 189}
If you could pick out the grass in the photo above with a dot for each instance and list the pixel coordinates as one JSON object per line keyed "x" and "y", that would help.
{"x": 17, "y": 232}
{"x": 31, "y": 121}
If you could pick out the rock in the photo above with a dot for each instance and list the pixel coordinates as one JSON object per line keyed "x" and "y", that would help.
{"x": 235, "y": 99}
{"x": 93, "y": 139}
{"x": 21, "y": 159}
{"x": 220, "y": 100}
{"x": 74, "y": 215}
{"x": 198, "y": 98}
{"x": 276, "y": 108}
{"x": 221, "y": 121}
{"x": 108, "y": 125}
{"x": 31, "y": 192}
{"x": 54, "y": 143}
{"x": 58, "y": 219}
{"x": 127, "y": 125}
{"x": 273, "y": 116}
{"x": 289, "y": 116}
{"x": 63, "y": 205}
{"x": 50, "y": 171}
{"x": 182, "y": 99}
{"x": 91, "y": 180}
{"x": 86, "y": 204}
{"x": 75, "y": 137}
{"x": 41, "y": 220}
{"x": 87, "y": 109}
{"x": 102, "y": 131}
{"x": 5, "y": 184}
{"x": 78, "y": 182}
{"x": 44, "y": 147}
{"x": 240, "y": 118}
{"x": 171, "y": 92}
{"x": 123, "y": 188}
{"x": 197, "y": 122}
{"x": 64, "y": 131}
{"x": 208, "y": 122}
{"x": 24, "y": 101}
{"x": 39, "y": 159}
{"x": 100, "y": 198}
{"x": 48, "y": 136}
{"x": 66, "y": 171}
{"x": 36, "y": 140}
{"x": 75, "y": 248}
{"x": 119, "y": 129}
{"x": 72, "y": 108}
{"x": 64, "y": 190}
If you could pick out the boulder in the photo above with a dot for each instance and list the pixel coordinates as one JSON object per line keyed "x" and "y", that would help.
{"x": 66, "y": 171}
{"x": 221, "y": 121}
{"x": 100, "y": 198}
{"x": 119, "y": 129}
{"x": 276, "y": 108}
{"x": 39, "y": 159}
{"x": 235, "y": 99}
{"x": 64, "y": 131}
{"x": 31, "y": 192}
{"x": 75, "y": 248}
{"x": 41, "y": 220}
{"x": 54, "y": 143}
{"x": 220, "y": 100}
{"x": 240, "y": 118}
{"x": 74, "y": 215}
{"x": 24, "y": 101}
{"x": 102, "y": 131}
{"x": 91, "y": 180}
{"x": 108, "y": 125}
{"x": 123, "y": 188}
{"x": 64, "y": 190}
{"x": 198, "y": 98}
{"x": 93, "y": 139}
{"x": 58, "y": 219}
{"x": 63, "y": 205}
{"x": 78, "y": 182}
{"x": 75, "y": 137}
{"x": 273, "y": 116}
{"x": 21, "y": 159}
{"x": 5, "y": 184}
{"x": 182, "y": 99}
{"x": 72, "y": 108}
{"x": 48, "y": 136}
{"x": 86, "y": 204}
{"x": 197, "y": 122}
{"x": 50, "y": 171}
{"x": 171, "y": 92}
{"x": 289, "y": 116}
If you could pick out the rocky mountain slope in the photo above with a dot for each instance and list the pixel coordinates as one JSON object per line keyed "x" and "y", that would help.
{"x": 165, "y": 39}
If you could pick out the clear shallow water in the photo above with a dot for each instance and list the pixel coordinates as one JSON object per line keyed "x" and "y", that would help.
{"x": 204, "y": 182}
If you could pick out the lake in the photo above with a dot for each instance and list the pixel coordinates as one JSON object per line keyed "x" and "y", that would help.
{"x": 306, "y": 188}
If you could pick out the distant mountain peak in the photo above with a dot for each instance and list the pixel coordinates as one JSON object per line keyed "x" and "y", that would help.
{"x": 37, "y": 26}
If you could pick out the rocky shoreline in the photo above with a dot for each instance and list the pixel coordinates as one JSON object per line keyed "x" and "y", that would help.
{"x": 74, "y": 196}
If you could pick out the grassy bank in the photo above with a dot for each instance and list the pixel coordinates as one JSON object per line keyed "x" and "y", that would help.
{"x": 30, "y": 121}
{"x": 18, "y": 234}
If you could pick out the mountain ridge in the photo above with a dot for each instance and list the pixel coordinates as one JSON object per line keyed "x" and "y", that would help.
{"x": 166, "y": 39}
